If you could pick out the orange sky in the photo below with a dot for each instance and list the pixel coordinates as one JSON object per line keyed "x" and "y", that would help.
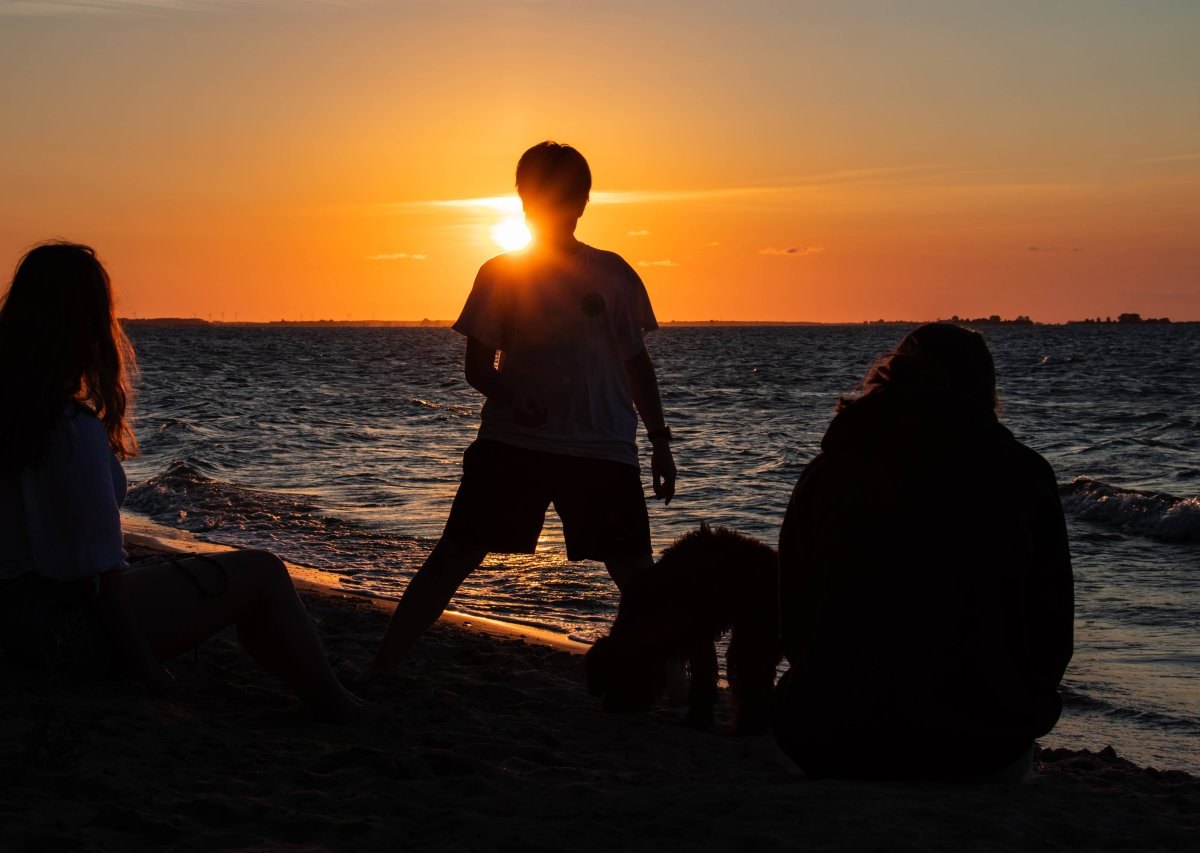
{"x": 259, "y": 159}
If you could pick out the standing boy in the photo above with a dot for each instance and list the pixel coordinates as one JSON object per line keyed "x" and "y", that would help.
{"x": 554, "y": 342}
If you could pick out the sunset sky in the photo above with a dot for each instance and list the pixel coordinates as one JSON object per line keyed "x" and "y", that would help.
{"x": 826, "y": 161}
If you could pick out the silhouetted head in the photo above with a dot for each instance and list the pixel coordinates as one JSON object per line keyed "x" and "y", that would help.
{"x": 554, "y": 182}
{"x": 939, "y": 362}
{"x": 60, "y": 341}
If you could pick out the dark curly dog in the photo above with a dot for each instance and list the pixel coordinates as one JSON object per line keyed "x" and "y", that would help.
{"x": 706, "y": 583}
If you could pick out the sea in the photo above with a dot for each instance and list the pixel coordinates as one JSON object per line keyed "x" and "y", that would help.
{"x": 340, "y": 448}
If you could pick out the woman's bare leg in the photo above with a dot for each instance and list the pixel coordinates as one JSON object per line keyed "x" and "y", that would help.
{"x": 180, "y": 607}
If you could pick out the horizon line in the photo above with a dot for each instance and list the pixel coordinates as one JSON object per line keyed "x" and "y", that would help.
{"x": 1020, "y": 320}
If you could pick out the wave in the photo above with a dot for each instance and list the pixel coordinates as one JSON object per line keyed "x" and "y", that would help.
{"x": 295, "y": 527}
{"x": 1154, "y": 515}
{"x": 185, "y": 496}
{"x": 1074, "y": 699}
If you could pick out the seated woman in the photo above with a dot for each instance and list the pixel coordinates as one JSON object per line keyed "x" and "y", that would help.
{"x": 67, "y": 596}
{"x": 925, "y": 580}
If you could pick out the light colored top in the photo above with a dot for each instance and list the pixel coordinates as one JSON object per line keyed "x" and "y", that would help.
{"x": 62, "y": 519}
{"x": 565, "y": 326}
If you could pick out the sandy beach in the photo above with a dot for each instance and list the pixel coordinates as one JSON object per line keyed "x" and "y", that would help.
{"x": 489, "y": 741}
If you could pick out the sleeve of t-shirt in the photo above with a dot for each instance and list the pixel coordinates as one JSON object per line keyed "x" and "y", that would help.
{"x": 637, "y": 317}
{"x": 71, "y": 511}
{"x": 483, "y": 316}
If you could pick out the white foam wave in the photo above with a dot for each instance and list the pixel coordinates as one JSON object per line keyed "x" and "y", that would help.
{"x": 1151, "y": 514}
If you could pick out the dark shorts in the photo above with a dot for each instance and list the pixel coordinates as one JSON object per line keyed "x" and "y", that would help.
{"x": 505, "y": 490}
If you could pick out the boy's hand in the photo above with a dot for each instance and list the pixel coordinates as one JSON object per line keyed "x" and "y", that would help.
{"x": 527, "y": 412}
{"x": 662, "y": 470}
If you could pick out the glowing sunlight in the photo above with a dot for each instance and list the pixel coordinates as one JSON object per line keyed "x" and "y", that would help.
{"x": 510, "y": 233}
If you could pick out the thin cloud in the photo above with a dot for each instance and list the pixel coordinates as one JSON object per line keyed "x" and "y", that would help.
{"x": 1173, "y": 158}
{"x": 1049, "y": 249}
{"x": 662, "y": 263}
{"x": 713, "y": 243}
{"x": 498, "y": 203}
{"x": 664, "y": 196}
{"x": 881, "y": 176}
{"x": 792, "y": 251}
{"x": 397, "y": 256}
{"x": 642, "y": 232}
{"x": 73, "y": 8}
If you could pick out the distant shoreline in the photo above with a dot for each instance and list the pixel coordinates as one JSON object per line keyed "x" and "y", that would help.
{"x": 188, "y": 322}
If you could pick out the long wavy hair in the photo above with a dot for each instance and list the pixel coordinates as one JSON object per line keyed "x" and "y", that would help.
{"x": 938, "y": 363}
{"x": 60, "y": 342}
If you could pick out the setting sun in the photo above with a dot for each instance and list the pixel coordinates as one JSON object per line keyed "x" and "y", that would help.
{"x": 511, "y": 233}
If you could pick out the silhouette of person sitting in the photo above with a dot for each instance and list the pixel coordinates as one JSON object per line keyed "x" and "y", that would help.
{"x": 555, "y": 343}
{"x": 68, "y": 598}
{"x": 925, "y": 580}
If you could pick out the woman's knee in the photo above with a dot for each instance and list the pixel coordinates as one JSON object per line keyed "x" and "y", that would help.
{"x": 261, "y": 569}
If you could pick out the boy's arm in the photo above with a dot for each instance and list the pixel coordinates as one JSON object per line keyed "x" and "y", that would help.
{"x": 481, "y": 374}
{"x": 644, "y": 386}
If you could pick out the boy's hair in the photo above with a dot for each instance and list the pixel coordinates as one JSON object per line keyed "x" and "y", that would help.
{"x": 554, "y": 172}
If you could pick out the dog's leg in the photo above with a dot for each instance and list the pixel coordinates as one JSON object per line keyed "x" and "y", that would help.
{"x": 702, "y": 693}
{"x": 751, "y": 663}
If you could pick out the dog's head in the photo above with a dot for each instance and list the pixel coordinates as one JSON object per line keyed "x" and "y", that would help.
{"x": 628, "y": 679}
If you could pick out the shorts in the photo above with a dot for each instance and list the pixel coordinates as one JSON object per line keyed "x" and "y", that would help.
{"x": 505, "y": 490}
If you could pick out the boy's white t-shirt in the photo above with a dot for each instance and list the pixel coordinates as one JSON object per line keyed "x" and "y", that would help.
{"x": 565, "y": 326}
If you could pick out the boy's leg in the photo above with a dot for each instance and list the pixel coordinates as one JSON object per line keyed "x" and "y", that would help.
{"x": 426, "y": 597}
{"x": 500, "y": 506}
{"x": 624, "y": 568}
{"x": 603, "y": 509}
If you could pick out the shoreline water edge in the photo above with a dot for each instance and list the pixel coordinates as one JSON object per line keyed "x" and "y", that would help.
{"x": 341, "y": 448}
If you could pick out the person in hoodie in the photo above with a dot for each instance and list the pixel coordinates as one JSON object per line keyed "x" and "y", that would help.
{"x": 925, "y": 580}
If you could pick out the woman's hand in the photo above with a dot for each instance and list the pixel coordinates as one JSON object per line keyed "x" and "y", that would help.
{"x": 129, "y": 640}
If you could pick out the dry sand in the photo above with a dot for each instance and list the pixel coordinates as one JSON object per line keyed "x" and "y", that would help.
{"x": 490, "y": 742}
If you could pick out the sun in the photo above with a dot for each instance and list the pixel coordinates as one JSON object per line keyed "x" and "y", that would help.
{"x": 510, "y": 233}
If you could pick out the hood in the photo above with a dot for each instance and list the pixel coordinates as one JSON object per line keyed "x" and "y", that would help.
{"x": 892, "y": 426}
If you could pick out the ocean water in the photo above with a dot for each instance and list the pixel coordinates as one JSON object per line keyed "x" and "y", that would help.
{"x": 339, "y": 448}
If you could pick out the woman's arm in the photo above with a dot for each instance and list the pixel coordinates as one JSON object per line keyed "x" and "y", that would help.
{"x": 74, "y": 527}
{"x": 127, "y": 635}
{"x": 815, "y": 533}
{"x": 1051, "y": 585}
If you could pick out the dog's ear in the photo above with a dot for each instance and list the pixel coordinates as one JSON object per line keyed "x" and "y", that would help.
{"x": 597, "y": 666}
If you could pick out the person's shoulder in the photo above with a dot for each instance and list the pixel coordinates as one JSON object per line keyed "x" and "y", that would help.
{"x": 498, "y": 266}
{"x": 836, "y": 469}
{"x": 612, "y": 266}
{"x": 79, "y": 424}
{"x": 1029, "y": 462}
{"x": 609, "y": 260}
